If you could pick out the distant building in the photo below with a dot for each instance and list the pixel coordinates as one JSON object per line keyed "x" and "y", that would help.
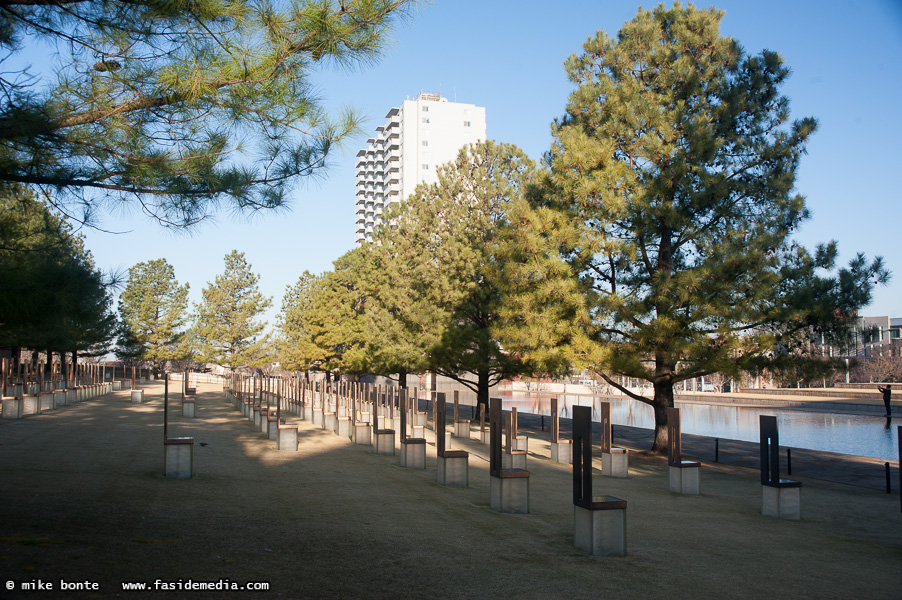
{"x": 878, "y": 333}
{"x": 420, "y": 135}
{"x": 871, "y": 336}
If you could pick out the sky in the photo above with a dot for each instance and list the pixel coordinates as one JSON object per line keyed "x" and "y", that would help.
{"x": 507, "y": 55}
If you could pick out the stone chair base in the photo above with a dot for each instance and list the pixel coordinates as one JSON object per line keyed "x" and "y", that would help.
{"x": 31, "y": 405}
{"x": 384, "y": 442}
{"x": 12, "y": 408}
{"x": 453, "y": 468}
{"x": 272, "y": 431}
{"x": 137, "y": 396}
{"x": 362, "y": 434}
{"x": 521, "y": 442}
{"x": 413, "y": 453}
{"x": 510, "y": 491}
{"x": 485, "y": 436}
{"x": 344, "y": 427}
{"x": 615, "y": 463}
{"x": 685, "y": 478}
{"x": 288, "y": 438}
{"x": 188, "y": 406}
{"x": 600, "y": 529}
{"x": 462, "y": 429}
{"x": 783, "y": 500}
{"x": 47, "y": 401}
{"x": 515, "y": 459}
{"x": 178, "y": 457}
{"x": 562, "y": 452}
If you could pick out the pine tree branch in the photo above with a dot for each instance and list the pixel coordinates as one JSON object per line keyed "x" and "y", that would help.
{"x": 632, "y": 395}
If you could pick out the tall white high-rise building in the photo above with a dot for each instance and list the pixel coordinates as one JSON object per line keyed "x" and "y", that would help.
{"x": 419, "y": 136}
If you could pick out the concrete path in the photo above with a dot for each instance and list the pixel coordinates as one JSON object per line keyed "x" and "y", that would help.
{"x": 83, "y": 500}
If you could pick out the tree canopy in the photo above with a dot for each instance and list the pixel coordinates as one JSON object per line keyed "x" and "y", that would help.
{"x": 438, "y": 253}
{"x": 179, "y": 108}
{"x": 337, "y": 321}
{"x": 54, "y": 298}
{"x": 295, "y": 346}
{"x": 335, "y": 316}
{"x": 672, "y": 193}
{"x": 153, "y": 309}
{"x": 226, "y": 330}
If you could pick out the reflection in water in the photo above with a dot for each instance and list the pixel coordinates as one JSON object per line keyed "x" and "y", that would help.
{"x": 860, "y": 435}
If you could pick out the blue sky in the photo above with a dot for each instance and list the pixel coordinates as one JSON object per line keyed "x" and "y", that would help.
{"x": 507, "y": 55}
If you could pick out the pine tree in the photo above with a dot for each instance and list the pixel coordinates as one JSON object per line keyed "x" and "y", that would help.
{"x": 671, "y": 191}
{"x": 153, "y": 309}
{"x": 54, "y": 298}
{"x": 438, "y": 251}
{"x": 295, "y": 346}
{"x": 226, "y": 330}
{"x": 335, "y": 317}
{"x": 179, "y": 108}
{"x": 336, "y": 322}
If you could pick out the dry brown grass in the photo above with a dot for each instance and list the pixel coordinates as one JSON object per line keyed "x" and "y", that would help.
{"x": 82, "y": 496}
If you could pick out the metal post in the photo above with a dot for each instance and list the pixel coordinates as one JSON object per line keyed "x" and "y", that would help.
{"x": 166, "y": 408}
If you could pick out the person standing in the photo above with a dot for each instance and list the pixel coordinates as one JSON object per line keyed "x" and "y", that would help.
{"x": 887, "y": 397}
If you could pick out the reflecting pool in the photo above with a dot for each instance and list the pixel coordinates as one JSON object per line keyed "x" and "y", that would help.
{"x": 860, "y": 435}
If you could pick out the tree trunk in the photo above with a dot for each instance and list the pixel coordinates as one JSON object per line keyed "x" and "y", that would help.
{"x": 15, "y": 362}
{"x": 663, "y": 400}
{"x": 64, "y": 370}
{"x": 402, "y": 378}
{"x": 482, "y": 391}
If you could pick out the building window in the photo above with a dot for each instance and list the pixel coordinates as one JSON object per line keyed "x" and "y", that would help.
{"x": 425, "y": 167}
{"x": 425, "y": 142}
{"x": 466, "y": 123}
{"x": 425, "y": 109}
{"x": 425, "y": 119}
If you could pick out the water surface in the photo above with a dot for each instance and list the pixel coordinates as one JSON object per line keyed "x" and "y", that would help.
{"x": 859, "y": 435}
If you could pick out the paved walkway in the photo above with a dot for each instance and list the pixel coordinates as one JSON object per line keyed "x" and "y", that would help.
{"x": 83, "y": 499}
